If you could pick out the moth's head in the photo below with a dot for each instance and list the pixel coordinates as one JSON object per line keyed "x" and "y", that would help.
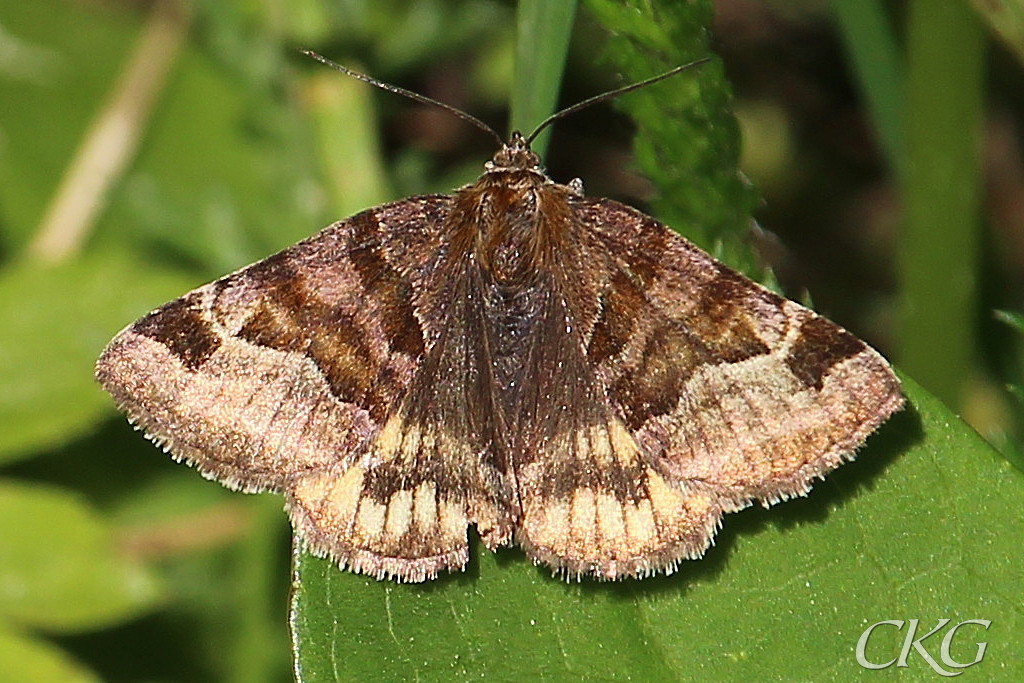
{"x": 515, "y": 154}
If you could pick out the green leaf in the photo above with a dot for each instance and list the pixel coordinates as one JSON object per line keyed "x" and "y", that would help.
{"x": 23, "y": 658}
{"x": 54, "y": 322}
{"x": 916, "y": 528}
{"x": 60, "y": 568}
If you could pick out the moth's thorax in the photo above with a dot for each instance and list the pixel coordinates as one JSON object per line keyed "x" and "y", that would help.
{"x": 512, "y": 221}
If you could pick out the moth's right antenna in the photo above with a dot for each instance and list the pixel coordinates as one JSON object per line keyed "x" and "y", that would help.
{"x": 423, "y": 99}
{"x": 611, "y": 94}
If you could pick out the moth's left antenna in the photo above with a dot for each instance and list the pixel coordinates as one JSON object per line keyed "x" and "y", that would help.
{"x": 423, "y": 99}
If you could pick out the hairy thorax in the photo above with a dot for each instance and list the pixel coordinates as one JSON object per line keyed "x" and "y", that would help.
{"x": 509, "y": 225}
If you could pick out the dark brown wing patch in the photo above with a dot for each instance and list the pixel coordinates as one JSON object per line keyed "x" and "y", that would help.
{"x": 183, "y": 329}
{"x": 821, "y": 346}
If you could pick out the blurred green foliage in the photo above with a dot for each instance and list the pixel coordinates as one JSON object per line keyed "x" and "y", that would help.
{"x": 118, "y": 564}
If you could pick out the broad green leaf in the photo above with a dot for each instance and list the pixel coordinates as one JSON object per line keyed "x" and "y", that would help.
{"x": 23, "y": 658}
{"x": 60, "y": 567}
{"x": 916, "y": 528}
{"x": 54, "y": 321}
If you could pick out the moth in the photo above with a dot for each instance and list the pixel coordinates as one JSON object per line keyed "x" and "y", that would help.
{"x": 561, "y": 372}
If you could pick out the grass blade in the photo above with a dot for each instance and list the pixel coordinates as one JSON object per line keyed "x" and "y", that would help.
{"x": 543, "y": 30}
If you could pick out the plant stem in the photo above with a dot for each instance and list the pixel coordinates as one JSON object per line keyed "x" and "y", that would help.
{"x": 938, "y": 255}
{"x": 542, "y": 43}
